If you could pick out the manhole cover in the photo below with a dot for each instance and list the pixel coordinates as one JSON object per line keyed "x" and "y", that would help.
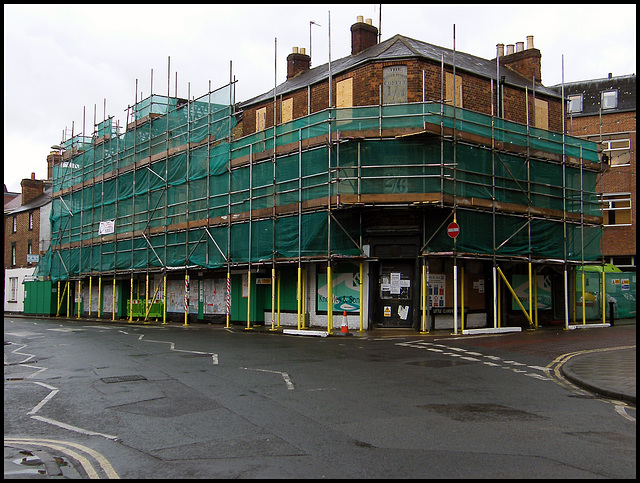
{"x": 134, "y": 377}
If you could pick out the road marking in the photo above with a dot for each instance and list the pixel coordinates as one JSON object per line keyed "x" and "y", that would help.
{"x": 465, "y": 354}
{"x": 107, "y": 468}
{"x": 172, "y": 346}
{"x": 553, "y": 370}
{"x": 284, "y": 375}
{"x": 37, "y": 407}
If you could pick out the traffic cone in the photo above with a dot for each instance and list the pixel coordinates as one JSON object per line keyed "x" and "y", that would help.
{"x": 345, "y": 328}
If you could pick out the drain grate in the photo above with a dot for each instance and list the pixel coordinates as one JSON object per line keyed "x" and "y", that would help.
{"x": 134, "y": 377}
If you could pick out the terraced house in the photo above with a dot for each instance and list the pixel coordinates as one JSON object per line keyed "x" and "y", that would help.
{"x": 405, "y": 185}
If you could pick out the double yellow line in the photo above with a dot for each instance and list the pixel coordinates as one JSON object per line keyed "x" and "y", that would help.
{"x": 65, "y": 447}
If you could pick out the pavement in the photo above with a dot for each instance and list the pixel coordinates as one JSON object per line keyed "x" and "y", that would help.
{"x": 610, "y": 372}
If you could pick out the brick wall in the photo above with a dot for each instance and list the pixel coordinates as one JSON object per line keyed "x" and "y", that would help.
{"x": 617, "y": 240}
{"x": 476, "y": 94}
{"x": 21, "y": 238}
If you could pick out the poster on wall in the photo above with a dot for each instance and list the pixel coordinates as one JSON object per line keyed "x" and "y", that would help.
{"x": 437, "y": 285}
{"x": 214, "y": 292}
{"x": 346, "y": 292}
{"x": 521, "y": 288}
{"x": 175, "y": 297}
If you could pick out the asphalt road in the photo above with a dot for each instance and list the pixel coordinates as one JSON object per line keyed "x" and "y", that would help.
{"x": 142, "y": 401}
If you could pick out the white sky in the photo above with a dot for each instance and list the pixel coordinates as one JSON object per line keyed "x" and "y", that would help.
{"x": 61, "y": 59}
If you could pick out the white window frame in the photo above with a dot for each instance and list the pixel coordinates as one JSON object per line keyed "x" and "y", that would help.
{"x": 608, "y": 202}
{"x": 572, "y": 101}
{"x": 613, "y": 93}
{"x": 13, "y": 289}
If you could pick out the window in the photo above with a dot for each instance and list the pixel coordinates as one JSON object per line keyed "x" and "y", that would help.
{"x": 287, "y": 110}
{"x": 617, "y": 151}
{"x": 344, "y": 93}
{"x": 542, "y": 114}
{"x": 261, "y": 119}
{"x": 616, "y": 208}
{"x": 574, "y": 104}
{"x": 31, "y": 220}
{"x": 15, "y": 224}
{"x": 616, "y": 148}
{"x": 609, "y": 99}
{"x": 13, "y": 254}
{"x": 13, "y": 289}
{"x": 448, "y": 94}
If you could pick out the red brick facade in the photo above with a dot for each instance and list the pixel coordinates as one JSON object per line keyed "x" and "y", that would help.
{"x": 21, "y": 238}
{"x": 618, "y": 240}
{"x": 476, "y": 94}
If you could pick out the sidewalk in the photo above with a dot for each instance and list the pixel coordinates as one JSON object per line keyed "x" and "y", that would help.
{"x": 611, "y": 373}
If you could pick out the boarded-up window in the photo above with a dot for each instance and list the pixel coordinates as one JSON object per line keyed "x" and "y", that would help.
{"x": 287, "y": 110}
{"x": 448, "y": 95}
{"x": 261, "y": 119}
{"x": 542, "y": 114}
{"x": 344, "y": 93}
{"x": 616, "y": 208}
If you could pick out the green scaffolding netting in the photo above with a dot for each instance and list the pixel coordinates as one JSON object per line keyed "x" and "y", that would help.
{"x": 176, "y": 191}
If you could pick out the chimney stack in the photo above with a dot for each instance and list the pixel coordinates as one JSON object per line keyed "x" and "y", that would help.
{"x": 31, "y": 188}
{"x": 297, "y": 61}
{"x": 363, "y": 35}
{"x": 526, "y": 62}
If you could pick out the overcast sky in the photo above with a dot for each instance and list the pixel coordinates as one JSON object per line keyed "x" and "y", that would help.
{"x": 61, "y": 59}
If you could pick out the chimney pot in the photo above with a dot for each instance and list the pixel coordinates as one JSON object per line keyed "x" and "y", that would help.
{"x": 519, "y": 46}
{"x": 363, "y": 36}
{"x": 33, "y": 175}
{"x": 360, "y": 19}
{"x": 297, "y": 62}
{"x": 500, "y": 48}
{"x": 509, "y": 49}
{"x": 368, "y": 21}
{"x": 529, "y": 42}
{"x": 610, "y": 75}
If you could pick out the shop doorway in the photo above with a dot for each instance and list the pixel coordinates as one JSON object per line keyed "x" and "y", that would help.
{"x": 394, "y": 295}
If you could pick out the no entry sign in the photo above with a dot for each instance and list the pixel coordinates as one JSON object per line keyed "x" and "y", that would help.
{"x": 453, "y": 230}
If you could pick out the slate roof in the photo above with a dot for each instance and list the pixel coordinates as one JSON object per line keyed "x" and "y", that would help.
{"x": 591, "y": 89}
{"x": 396, "y": 48}
{"x": 16, "y": 206}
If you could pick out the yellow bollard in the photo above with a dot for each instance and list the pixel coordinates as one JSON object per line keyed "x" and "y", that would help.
{"x": 329, "y": 300}
{"x": 361, "y": 301}
{"x": 248, "y": 327}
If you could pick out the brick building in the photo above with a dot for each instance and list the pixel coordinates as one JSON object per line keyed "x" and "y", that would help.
{"x": 405, "y": 185}
{"x": 604, "y": 111}
{"x": 26, "y": 237}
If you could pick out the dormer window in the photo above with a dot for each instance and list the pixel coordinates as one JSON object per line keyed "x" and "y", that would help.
{"x": 575, "y": 104}
{"x": 609, "y": 99}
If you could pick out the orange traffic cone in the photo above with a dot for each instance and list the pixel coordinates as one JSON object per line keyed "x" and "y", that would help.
{"x": 345, "y": 328}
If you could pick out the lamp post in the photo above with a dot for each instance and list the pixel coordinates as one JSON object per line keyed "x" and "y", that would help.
{"x": 310, "y": 24}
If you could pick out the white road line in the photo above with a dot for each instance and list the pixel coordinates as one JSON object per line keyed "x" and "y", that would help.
{"x": 37, "y": 407}
{"x": 75, "y": 429}
{"x": 284, "y": 375}
{"x": 172, "y": 346}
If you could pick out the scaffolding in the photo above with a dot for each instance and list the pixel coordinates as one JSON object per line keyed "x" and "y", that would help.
{"x": 176, "y": 191}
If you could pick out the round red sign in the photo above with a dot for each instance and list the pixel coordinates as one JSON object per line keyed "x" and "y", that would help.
{"x": 453, "y": 230}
